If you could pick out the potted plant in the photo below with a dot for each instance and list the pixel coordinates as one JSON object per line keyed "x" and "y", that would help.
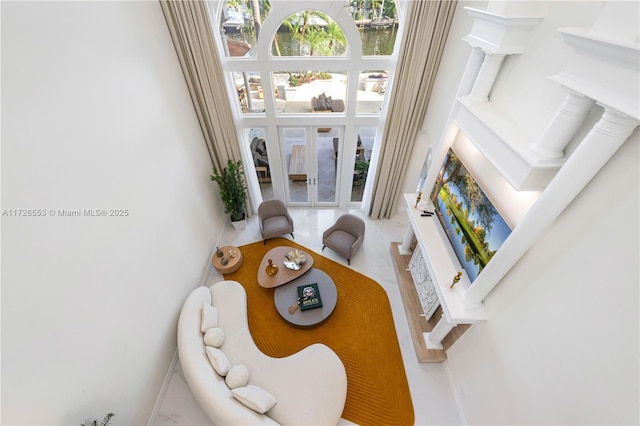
{"x": 233, "y": 191}
{"x": 104, "y": 422}
{"x": 360, "y": 172}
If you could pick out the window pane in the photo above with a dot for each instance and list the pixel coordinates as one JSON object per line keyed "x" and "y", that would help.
{"x": 240, "y": 26}
{"x": 250, "y": 95}
{"x": 327, "y": 146}
{"x": 372, "y": 88}
{"x": 366, "y": 138}
{"x": 310, "y": 91}
{"x": 294, "y": 141}
{"x": 257, "y": 141}
{"x": 309, "y": 33}
{"x": 378, "y": 24}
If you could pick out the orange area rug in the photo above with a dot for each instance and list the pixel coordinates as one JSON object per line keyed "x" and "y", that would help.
{"x": 361, "y": 331}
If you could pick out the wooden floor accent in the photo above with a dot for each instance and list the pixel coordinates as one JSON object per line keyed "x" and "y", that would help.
{"x": 415, "y": 315}
{"x": 297, "y": 167}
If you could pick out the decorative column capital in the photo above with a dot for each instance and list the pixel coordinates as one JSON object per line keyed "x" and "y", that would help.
{"x": 495, "y": 33}
{"x": 603, "y": 69}
{"x": 615, "y": 124}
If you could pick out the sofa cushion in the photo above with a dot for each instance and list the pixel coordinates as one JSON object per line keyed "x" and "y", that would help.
{"x": 237, "y": 377}
{"x": 209, "y": 317}
{"x": 261, "y": 148}
{"x": 276, "y": 225}
{"x": 214, "y": 337}
{"x": 340, "y": 238}
{"x": 262, "y": 161}
{"x": 218, "y": 360}
{"x": 255, "y": 398}
{"x": 322, "y": 103}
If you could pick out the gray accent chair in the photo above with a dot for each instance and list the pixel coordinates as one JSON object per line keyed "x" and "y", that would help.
{"x": 274, "y": 219}
{"x": 345, "y": 236}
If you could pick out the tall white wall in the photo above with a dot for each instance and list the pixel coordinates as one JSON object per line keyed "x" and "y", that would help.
{"x": 96, "y": 115}
{"x": 561, "y": 345}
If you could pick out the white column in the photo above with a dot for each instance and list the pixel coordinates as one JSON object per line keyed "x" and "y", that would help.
{"x": 564, "y": 125}
{"x": 434, "y": 338}
{"x": 471, "y": 71}
{"x": 407, "y": 239}
{"x": 486, "y": 77}
{"x": 595, "y": 150}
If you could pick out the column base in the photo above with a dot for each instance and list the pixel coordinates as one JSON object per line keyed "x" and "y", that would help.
{"x": 429, "y": 344}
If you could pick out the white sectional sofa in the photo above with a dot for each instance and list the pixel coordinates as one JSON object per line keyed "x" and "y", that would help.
{"x": 309, "y": 387}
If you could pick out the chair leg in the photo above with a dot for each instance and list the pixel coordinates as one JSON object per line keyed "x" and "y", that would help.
{"x": 293, "y": 236}
{"x": 349, "y": 262}
{"x": 323, "y": 248}
{"x": 265, "y": 243}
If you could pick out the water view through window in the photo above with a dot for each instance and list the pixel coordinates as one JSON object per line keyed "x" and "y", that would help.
{"x": 310, "y": 32}
{"x": 292, "y": 107}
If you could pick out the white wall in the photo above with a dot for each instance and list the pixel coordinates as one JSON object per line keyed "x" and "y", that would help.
{"x": 523, "y": 91}
{"x": 96, "y": 115}
{"x": 561, "y": 345}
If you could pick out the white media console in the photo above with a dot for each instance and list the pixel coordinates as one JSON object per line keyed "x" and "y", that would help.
{"x": 433, "y": 266}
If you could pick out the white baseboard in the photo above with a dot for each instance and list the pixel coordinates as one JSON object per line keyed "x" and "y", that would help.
{"x": 163, "y": 389}
{"x": 174, "y": 360}
{"x": 456, "y": 398}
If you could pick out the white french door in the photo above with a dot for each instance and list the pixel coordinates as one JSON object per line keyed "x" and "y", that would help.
{"x": 311, "y": 161}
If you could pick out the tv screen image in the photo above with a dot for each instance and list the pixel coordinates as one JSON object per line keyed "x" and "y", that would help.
{"x": 473, "y": 226}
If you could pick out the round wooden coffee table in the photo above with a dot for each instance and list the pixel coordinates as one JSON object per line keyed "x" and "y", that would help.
{"x": 233, "y": 263}
{"x": 287, "y": 295}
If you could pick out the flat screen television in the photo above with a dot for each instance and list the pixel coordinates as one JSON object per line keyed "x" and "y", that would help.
{"x": 474, "y": 227}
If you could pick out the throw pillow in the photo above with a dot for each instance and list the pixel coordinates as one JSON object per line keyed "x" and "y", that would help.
{"x": 237, "y": 377}
{"x": 214, "y": 337}
{"x": 321, "y": 102}
{"x": 255, "y": 398}
{"x": 218, "y": 360}
{"x": 209, "y": 317}
{"x": 329, "y": 103}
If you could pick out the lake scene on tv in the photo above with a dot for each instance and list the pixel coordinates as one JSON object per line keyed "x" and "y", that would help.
{"x": 473, "y": 225}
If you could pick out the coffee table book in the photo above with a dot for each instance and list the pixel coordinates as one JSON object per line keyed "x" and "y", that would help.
{"x": 309, "y": 296}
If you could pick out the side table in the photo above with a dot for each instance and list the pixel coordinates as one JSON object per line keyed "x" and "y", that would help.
{"x": 233, "y": 262}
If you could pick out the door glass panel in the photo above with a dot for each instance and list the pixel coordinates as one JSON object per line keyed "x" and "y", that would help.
{"x": 328, "y": 147}
{"x": 258, "y": 148}
{"x": 295, "y": 146}
{"x": 361, "y": 161}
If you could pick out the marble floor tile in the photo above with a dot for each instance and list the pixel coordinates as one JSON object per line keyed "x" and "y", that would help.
{"x": 430, "y": 387}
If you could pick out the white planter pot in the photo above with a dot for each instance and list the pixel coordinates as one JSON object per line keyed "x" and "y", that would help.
{"x": 241, "y": 224}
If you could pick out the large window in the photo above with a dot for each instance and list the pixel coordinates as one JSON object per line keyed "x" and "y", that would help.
{"x": 326, "y": 67}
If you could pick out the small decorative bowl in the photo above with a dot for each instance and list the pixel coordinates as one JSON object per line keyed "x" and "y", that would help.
{"x": 294, "y": 259}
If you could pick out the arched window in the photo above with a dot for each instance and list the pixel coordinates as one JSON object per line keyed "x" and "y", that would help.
{"x": 322, "y": 72}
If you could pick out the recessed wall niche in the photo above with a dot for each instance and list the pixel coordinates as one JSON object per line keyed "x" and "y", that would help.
{"x": 511, "y": 203}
